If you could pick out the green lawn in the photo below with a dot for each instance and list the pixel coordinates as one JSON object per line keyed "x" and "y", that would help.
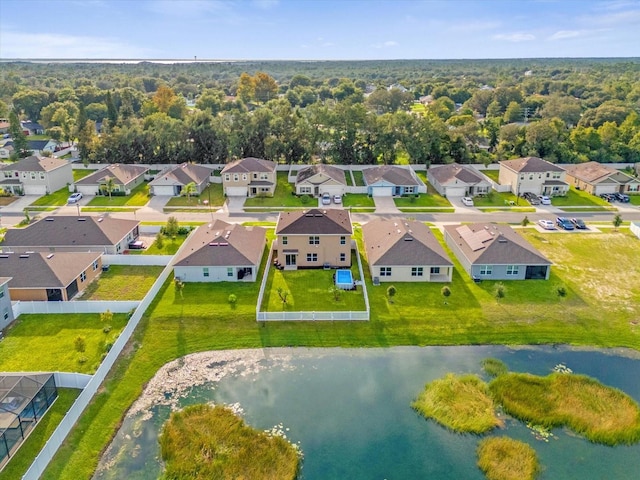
{"x": 55, "y": 199}
{"x": 169, "y": 246}
{"x": 21, "y": 461}
{"x": 122, "y": 282}
{"x": 499, "y": 199}
{"x": 138, "y": 198}
{"x": 284, "y": 196}
{"x": 598, "y": 310}
{"x": 634, "y": 199}
{"x": 45, "y": 343}
{"x": 358, "y": 176}
{"x": 348, "y": 178}
{"x": 492, "y": 174}
{"x": 430, "y": 199}
{"x": 214, "y": 193}
{"x": 358, "y": 200}
{"x": 578, "y": 198}
{"x": 81, "y": 173}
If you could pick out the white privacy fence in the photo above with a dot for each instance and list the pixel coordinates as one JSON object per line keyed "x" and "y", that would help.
{"x": 88, "y": 306}
{"x": 55, "y": 441}
{"x": 140, "y": 260}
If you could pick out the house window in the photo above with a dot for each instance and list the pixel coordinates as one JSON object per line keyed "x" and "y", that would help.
{"x": 205, "y": 271}
{"x": 6, "y": 314}
{"x": 33, "y": 175}
{"x": 118, "y": 247}
{"x": 312, "y": 257}
{"x": 385, "y": 271}
{"x": 305, "y": 190}
{"x": 408, "y": 190}
{"x": 556, "y": 175}
{"x": 95, "y": 265}
{"x": 236, "y": 177}
{"x": 416, "y": 271}
{"x": 343, "y": 240}
{"x": 434, "y": 270}
{"x": 244, "y": 177}
{"x": 547, "y": 174}
{"x": 1, "y": 293}
{"x": 41, "y": 175}
{"x": 343, "y": 257}
{"x": 486, "y": 269}
{"x": 230, "y": 272}
{"x": 314, "y": 240}
{"x": 255, "y": 175}
{"x": 285, "y": 240}
{"x": 227, "y": 177}
{"x": 512, "y": 269}
{"x": 264, "y": 176}
{"x": 531, "y": 177}
{"x": 83, "y": 276}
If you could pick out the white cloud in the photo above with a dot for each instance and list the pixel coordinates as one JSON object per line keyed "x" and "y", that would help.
{"x": 387, "y": 44}
{"x": 52, "y": 45}
{"x": 514, "y": 37}
{"x": 562, "y": 34}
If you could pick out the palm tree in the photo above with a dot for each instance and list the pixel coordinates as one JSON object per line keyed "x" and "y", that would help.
{"x": 190, "y": 189}
{"x": 109, "y": 185}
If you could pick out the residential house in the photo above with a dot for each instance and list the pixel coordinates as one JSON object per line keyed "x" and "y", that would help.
{"x": 37, "y": 147}
{"x": 125, "y": 179}
{"x": 401, "y": 250}
{"x": 488, "y": 251}
{"x": 313, "y": 239}
{"x": 32, "y": 128}
{"x": 455, "y": 180}
{"x": 635, "y": 228}
{"x": 6, "y": 312}
{"x": 73, "y": 234}
{"x": 172, "y": 180}
{"x": 596, "y": 179}
{"x": 248, "y": 177}
{"x": 40, "y": 276}
{"x": 533, "y": 174}
{"x": 221, "y": 252}
{"x": 36, "y": 175}
{"x": 4, "y": 125}
{"x": 6, "y": 149}
{"x": 390, "y": 180}
{"x": 320, "y": 178}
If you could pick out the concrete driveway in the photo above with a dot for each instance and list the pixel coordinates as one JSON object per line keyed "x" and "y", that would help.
{"x": 385, "y": 205}
{"x": 19, "y": 205}
{"x": 235, "y": 204}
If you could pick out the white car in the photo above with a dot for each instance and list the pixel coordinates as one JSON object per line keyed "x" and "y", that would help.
{"x": 337, "y": 199}
{"x": 468, "y": 201}
{"x": 547, "y": 224}
{"x": 326, "y": 199}
{"x": 544, "y": 200}
{"x": 74, "y": 198}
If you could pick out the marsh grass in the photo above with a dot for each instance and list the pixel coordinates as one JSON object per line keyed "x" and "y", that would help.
{"x": 494, "y": 367}
{"x": 460, "y": 403}
{"x": 203, "y": 442}
{"x": 502, "y": 458}
{"x": 600, "y": 413}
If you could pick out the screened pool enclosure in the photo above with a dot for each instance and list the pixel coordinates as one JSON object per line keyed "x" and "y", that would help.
{"x": 24, "y": 399}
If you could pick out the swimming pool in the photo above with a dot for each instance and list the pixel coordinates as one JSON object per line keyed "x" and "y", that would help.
{"x": 344, "y": 279}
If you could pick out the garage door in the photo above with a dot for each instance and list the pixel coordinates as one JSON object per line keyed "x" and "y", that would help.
{"x": 87, "y": 189}
{"x": 600, "y": 189}
{"x": 163, "y": 190}
{"x": 381, "y": 191}
{"x": 456, "y": 191}
{"x": 331, "y": 189}
{"x": 236, "y": 191}
{"x": 35, "y": 190}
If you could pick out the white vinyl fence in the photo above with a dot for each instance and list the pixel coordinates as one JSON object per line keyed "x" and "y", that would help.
{"x": 140, "y": 260}
{"x": 84, "y": 306}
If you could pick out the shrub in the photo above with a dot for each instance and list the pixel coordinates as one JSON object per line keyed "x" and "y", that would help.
{"x": 159, "y": 242}
{"x": 499, "y": 290}
{"x": 446, "y": 291}
{"x": 304, "y": 199}
{"x": 562, "y": 291}
{"x": 233, "y": 299}
{"x": 525, "y": 221}
{"x": 80, "y": 344}
{"x": 108, "y": 346}
{"x": 503, "y": 458}
{"x": 82, "y": 359}
{"x": 494, "y": 367}
{"x": 106, "y": 328}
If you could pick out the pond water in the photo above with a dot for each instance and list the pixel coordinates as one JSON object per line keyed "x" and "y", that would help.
{"x": 349, "y": 410}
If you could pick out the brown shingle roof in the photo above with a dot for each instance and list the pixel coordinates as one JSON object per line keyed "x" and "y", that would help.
{"x": 389, "y": 173}
{"x": 450, "y": 172}
{"x": 531, "y": 165}
{"x": 249, "y": 164}
{"x": 186, "y": 173}
{"x": 333, "y": 221}
{"x": 44, "y": 270}
{"x": 121, "y": 174}
{"x": 70, "y": 231}
{"x": 35, "y": 164}
{"x": 493, "y": 244}
{"x": 221, "y": 244}
{"x": 591, "y": 172}
{"x": 402, "y": 242}
{"x": 335, "y": 173}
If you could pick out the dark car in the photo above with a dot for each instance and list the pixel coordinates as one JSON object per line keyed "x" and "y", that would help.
{"x": 531, "y": 198}
{"x": 578, "y": 223}
{"x": 137, "y": 245}
{"x": 609, "y": 197}
{"x": 564, "y": 223}
{"x": 621, "y": 197}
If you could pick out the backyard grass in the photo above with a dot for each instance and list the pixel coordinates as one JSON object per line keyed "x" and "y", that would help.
{"x": 214, "y": 193}
{"x": 461, "y": 403}
{"x": 503, "y": 458}
{"x": 138, "y": 198}
{"x": 492, "y": 174}
{"x": 499, "y": 199}
{"x": 598, "y": 310}
{"x": 21, "y": 461}
{"x": 122, "y": 282}
{"x": 579, "y": 198}
{"x": 358, "y": 176}
{"x": 169, "y": 246}
{"x": 55, "y": 199}
{"x": 45, "y": 343}
{"x": 284, "y": 196}
{"x": 634, "y": 199}
{"x": 79, "y": 174}
{"x": 358, "y": 200}
{"x": 431, "y": 199}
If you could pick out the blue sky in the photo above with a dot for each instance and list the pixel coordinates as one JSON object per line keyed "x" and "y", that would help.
{"x": 318, "y": 29}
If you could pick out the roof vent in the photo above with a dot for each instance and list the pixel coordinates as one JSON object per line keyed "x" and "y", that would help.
{"x": 502, "y": 240}
{"x": 24, "y": 256}
{"x": 4, "y": 256}
{"x": 408, "y": 239}
{"x": 100, "y": 219}
{"x": 48, "y": 219}
{"x": 82, "y": 219}
{"x": 50, "y": 256}
{"x": 213, "y": 244}
{"x": 224, "y": 244}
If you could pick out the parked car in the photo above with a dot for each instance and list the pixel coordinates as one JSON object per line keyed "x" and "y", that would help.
{"x": 326, "y": 199}
{"x": 546, "y": 224}
{"x": 468, "y": 201}
{"x": 609, "y": 197}
{"x": 544, "y": 200}
{"x": 337, "y": 199}
{"x": 531, "y": 198}
{"x": 621, "y": 197}
{"x": 564, "y": 223}
{"x": 578, "y": 223}
{"x": 74, "y": 198}
{"x": 137, "y": 245}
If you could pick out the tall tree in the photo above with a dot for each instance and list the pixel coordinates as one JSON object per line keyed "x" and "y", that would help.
{"x": 246, "y": 87}
{"x": 266, "y": 87}
{"x": 18, "y": 136}
{"x": 112, "y": 112}
{"x": 30, "y": 102}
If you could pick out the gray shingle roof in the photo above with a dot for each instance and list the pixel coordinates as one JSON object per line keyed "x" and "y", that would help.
{"x": 121, "y": 174}
{"x": 250, "y": 164}
{"x": 449, "y": 173}
{"x": 493, "y": 244}
{"x": 593, "y": 172}
{"x": 35, "y": 163}
{"x": 44, "y": 270}
{"x": 186, "y": 173}
{"x": 333, "y": 221}
{"x": 531, "y": 165}
{"x": 402, "y": 242}
{"x": 221, "y": 244}
{"x": 335, "y": 173}
{"x": 390, "y": 173}
{"x": 70, "y": 231}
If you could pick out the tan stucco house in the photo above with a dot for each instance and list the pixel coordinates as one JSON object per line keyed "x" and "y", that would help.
{"x": 313, "y": 239}
{"x": 172, "y": 180}
{"x": 597, "y": 178}
{"x": 321, "y": 178}
{"x": 249, "y": 177}
{"x": 534, "y": 175}
{"x": 125, "y": 178}
{"x": 36, "y": 175}
{"x": 455, "y": 180}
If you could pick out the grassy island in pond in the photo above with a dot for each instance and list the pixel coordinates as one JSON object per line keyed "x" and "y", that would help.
{"x": 461, "y": 403}
{"x": 601, "y": 413}
{"x": 204, "y": 442}
{"x": 502, "y": 458}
